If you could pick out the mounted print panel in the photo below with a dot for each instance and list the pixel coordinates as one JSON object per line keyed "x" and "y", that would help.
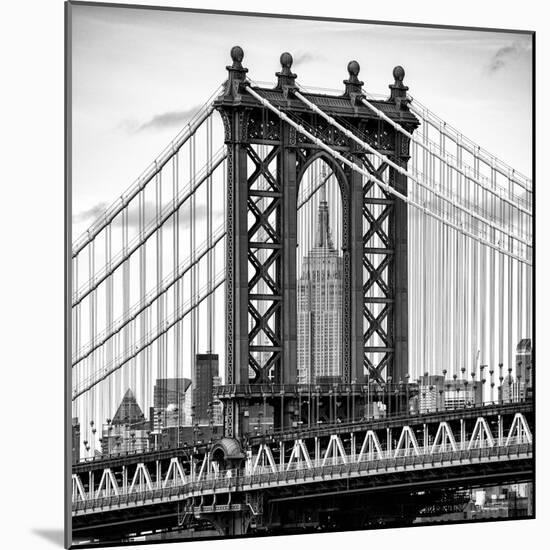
{"x": 301, "y": 299}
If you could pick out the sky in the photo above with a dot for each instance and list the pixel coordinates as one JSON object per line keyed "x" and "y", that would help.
{"x": 139, "y": 74}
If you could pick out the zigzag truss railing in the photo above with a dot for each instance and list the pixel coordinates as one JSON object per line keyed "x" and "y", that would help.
{"x": 364, "y": 447}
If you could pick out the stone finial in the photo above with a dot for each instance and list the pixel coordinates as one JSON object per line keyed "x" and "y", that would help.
{"x": 398, "y": 89}
{"x": 286, "y": 78}
{"x": 237, "y": 55}
{"x": 237, "y": 73}
{"x": 353, "y": 84}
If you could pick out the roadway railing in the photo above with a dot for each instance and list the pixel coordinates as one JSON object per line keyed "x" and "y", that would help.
{"x": 393, "y": 420}
{"x": 301, "y": 472}
{"x": 321, "y": 429}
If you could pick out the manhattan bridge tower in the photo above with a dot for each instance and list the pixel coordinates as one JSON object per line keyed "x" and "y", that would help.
{"x": 267, "y": 160}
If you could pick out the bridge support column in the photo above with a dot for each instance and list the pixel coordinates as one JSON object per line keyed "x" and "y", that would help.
{"x": 124, "y": 480}
{"x": 235, "y": 122}
{"x": 400, "y": 236}
{"x": 426, "y": 440}
{"x": 355, "y": 250}
{"x": 317, "y": 449}
{"x": 289, "y": 222}
{"x": 232, "y": 524}
{"x": 91, "y": 484}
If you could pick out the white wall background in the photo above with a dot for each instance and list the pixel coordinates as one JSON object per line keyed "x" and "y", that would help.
{"x": 31, "y": 274}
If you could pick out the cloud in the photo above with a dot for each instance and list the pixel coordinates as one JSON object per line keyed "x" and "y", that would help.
{"x": 302, "y": 57}
{"x": 91, "y": 213}
{"x": 503, "y": 56}
{"x": 169, "y": 119}
{"x": 150, "y": 215}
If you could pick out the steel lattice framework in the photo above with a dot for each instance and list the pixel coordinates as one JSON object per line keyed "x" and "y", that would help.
{"x": 267, "y": 158}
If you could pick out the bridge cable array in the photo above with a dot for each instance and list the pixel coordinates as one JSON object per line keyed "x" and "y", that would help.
{"x": 153, "y": 307}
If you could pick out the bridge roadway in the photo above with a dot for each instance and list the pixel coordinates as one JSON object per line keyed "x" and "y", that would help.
{"x": 473, "y": 463}
{"x": 305, "y": 432}
{"x": 259, "y": 479}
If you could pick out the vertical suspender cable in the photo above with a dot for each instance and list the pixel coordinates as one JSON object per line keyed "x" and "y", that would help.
{"x": 210, "y": 310}
{"x": 193, "y": 340}
{"x": 177, "y": 294}
{"x": 424, "y": 271}
{"x": 142, "y": 290}
{"x": 75, "y": 378}
{"x": 125, "y": 295}
{"x": 93, "y": 331}
{"x": 109, "y": 310}
{"x": 160, "y": 366}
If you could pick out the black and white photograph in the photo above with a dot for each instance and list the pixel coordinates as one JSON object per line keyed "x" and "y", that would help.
{"x": 301, "y": 275}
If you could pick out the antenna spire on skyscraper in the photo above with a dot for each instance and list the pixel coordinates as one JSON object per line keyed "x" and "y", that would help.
{"x": 323, "y": 230}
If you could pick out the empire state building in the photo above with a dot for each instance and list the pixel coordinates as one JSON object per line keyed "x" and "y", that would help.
{"x": 319, "y": 307}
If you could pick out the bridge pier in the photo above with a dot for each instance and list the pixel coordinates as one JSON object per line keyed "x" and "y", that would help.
{"x": 231, "y": 525}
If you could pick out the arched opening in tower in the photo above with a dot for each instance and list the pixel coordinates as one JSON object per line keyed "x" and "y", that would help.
{"x": 319, "y": 273}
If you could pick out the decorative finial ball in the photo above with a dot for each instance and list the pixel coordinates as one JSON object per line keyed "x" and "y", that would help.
{"x": 353, "y": 68}
{"x": 399, "y": 73}
{"x": 237, "y": 54}
{"x": 286, "y": 60}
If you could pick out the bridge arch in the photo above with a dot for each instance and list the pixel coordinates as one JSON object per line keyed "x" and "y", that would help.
{"x": 322, "y": 257}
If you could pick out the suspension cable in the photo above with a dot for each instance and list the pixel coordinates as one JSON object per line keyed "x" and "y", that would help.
{"x": 406, "y": 173}
{"x": 162, "y": 329}
{"x": 111, "y": 213}
{"x": 446, "y": 161}
{"x": 95, "y": 280}
{"x": 382, "y": 184}
{"x": 143, "y": 308}
{"x": 442, "y": 127}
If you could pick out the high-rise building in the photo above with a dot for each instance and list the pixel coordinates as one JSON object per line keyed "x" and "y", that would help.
{"x": 460, "y": 393}
{"x": 524, "y": 366}
{"x": 512, "y": 390}
{"x": 319, "y": 305}
{"x": 128, "y": 431}
{"x": 431, "y": 393}
{"x": 76, "y": 439}
{"x": 169, "y": 397}
{"x": 217, "y": 407}
{"x": 205, "y": 370}
{"x": 188, "y": 405}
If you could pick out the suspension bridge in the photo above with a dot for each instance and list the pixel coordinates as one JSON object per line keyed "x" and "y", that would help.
{"x": 430, "y": 239}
